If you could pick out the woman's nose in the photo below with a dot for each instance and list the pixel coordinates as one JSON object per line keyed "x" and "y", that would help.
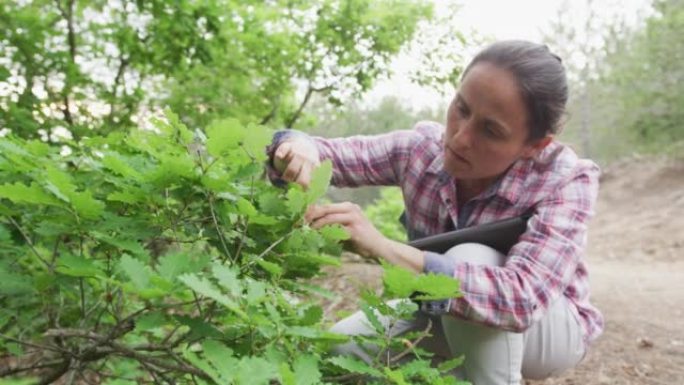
{"x": 463, "y": 137}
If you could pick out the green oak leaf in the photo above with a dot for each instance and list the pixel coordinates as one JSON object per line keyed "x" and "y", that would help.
{"x": 354, "y": 365}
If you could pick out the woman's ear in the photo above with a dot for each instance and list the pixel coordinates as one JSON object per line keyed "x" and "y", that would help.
{"x": 533, "y": 149}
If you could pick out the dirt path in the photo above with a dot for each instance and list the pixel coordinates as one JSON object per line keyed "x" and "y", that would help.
{"x": 636, "y": 257}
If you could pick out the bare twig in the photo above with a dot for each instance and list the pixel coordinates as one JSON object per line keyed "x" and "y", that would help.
{"x": 25, "y": 368}
{"x": 176, "y": 366}
{"x": 32, "y": 345}
{"x": 113, "y": 347}
{"x": 75, "y": 368}
{"x": 56, "y": 374}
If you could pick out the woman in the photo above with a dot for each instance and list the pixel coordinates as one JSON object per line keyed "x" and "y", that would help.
{"x": 525, "y": 314}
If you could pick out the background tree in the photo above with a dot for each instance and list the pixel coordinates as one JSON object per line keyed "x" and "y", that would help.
{"x": 74, "y": 67}
{"x": 627, "y": 92}
{"x": 645, "y": 70}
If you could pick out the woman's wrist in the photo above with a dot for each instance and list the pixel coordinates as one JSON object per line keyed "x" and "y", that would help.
{"x": 403, "y": 255}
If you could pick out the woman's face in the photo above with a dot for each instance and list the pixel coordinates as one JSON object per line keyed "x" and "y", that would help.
{"x": 487, "y": 126}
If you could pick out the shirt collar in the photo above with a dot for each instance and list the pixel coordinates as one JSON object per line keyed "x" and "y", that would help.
{"x": 509, "y": 186}
{"x": 513, "y": 183}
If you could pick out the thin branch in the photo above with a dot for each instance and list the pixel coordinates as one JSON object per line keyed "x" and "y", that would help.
{"x": 177, "y": 366}
{"x": 18, "y": 369}
{"x": 344, "y": 377}
{"x": 152, "y": 371}
{"x": 55, "y": 250}
{"x": 28, "y": 240}
{"x": 123, "y": 63}
{"x": 168, "y": 337}
{"x": 273, "y": 112}
{"x": 66, "y": 110}
{"x": 72, "y": 374}
{"x": 56, "y": 374}
{"x": 290, "y": 122}
{"x": 309, "y": 92}
{"x": 32, "y": 345}
{"x": 80, "y": 289}
{"x": 68, "y": 15}
{"x": 121, "y": 350}
{"x": 242, "y": 240}
{"x": 197, "y": 303}
{"x": 84, "y": 378}
{"x": 410, "y": 348}
{"x": 268, "y": 250}
{"x": 218, "y": 228}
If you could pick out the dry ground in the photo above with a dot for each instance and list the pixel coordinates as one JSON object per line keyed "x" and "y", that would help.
{"x": 636, "y": 262}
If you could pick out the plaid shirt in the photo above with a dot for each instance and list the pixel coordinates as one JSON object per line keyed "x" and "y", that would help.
{"x": 557, "y": 186}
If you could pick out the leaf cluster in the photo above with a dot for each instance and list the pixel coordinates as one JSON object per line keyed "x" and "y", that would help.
{"x": 163, "y": 256}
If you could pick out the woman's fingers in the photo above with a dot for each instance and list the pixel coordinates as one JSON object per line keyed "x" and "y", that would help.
{"x": 293, "y": 169}
{"x": 283, "y": 150}
{"x": 295, "y": 160}
{"x": 315, "y": 212}
{"x": 364, "y": 238}
{"x": 304, "y": 177}
{"x": 343, "y": 219}
{"x": 282, "y": 157}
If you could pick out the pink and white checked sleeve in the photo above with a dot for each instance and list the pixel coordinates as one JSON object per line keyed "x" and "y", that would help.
{"x": 362, "y": 160}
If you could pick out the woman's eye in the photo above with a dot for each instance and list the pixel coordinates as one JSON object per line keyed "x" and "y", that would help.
{"x": 462, "y": 110}
{"x": 490, "y": 131}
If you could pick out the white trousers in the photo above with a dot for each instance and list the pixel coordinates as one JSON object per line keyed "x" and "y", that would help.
{"x": 492, "y": 356}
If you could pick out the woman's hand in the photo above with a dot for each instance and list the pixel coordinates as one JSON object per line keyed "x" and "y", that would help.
{"x": 295, "y": 159}
{"x": 364, "y": 238}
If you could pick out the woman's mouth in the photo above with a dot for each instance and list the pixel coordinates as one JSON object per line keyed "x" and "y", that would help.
{"x": 456, "y": 156}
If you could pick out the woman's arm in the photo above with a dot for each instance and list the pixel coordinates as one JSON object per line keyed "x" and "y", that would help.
{"x": 362, "y": 160}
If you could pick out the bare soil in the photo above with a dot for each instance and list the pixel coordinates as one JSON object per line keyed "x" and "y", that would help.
{"x": 636, "y": 264}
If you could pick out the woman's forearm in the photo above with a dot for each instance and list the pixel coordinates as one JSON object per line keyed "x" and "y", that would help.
{"x": 403, "y": 255}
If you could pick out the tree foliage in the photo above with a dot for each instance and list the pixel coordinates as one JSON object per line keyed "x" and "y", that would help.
{"x": 651, "y": 57}
{"x": 80, "y": 66}
{"x": 163, "y": 256}
{"x": 627, "y": 95}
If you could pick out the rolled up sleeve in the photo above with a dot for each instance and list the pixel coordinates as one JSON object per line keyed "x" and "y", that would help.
{"x": 362, "y": 159}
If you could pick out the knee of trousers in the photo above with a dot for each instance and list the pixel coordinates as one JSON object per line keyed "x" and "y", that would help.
{"x": 476, "y": 253}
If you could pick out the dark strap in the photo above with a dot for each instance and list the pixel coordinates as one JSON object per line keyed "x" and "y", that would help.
{"x": 500, "y": 235}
